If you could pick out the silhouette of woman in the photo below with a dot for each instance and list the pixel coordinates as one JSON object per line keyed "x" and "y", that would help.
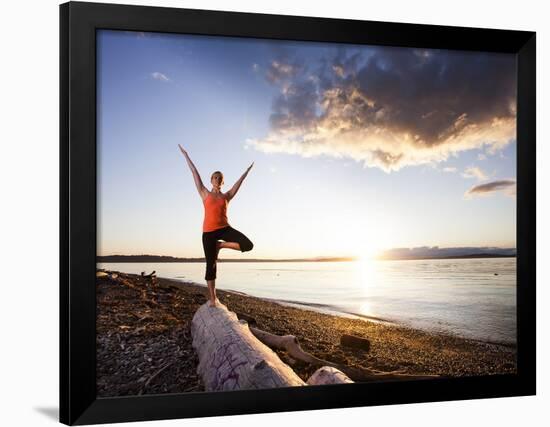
{"x": 215, "y": 225}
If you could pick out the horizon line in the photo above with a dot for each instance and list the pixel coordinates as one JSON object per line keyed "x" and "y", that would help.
{"x": 382, "y": 257}
{"x": 380, "y": 253}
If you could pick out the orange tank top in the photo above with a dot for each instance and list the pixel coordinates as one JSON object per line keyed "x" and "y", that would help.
{"x": 215, "y": 213}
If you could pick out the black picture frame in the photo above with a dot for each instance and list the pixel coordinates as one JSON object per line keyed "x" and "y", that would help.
{"x": 78, "y": 25}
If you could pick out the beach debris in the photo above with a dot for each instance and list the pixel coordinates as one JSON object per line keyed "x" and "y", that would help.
{"x": 328, "y": 375}
{"x": 142, "y": 347}
{"x": 162, "y": 331}
{"x": 150, "y": 279}
{"x": 354, "y": 341}
{"x": 148, "y": 276}
{"x": 291, "y": 344}
{"x": 234, "y": 355}
{"x": 152, "y": 377}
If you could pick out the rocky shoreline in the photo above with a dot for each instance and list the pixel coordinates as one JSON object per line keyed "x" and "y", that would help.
{"x": 144, "y": 340}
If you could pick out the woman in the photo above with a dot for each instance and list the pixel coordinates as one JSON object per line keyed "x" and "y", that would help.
{"x": 215, "y": 225}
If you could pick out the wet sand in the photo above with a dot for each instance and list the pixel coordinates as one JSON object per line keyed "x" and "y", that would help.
{"x": 144, "y": 339}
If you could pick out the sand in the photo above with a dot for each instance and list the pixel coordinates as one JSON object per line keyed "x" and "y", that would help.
{"x": 144, "y": 339}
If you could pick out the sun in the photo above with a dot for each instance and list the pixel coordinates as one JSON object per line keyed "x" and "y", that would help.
{"x": 368, "y": 251}
{"x": 371, "y": 252}
{"x": 371, "y": 238}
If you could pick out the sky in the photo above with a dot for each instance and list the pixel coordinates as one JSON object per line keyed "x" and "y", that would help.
{"x": 356, "y": 148}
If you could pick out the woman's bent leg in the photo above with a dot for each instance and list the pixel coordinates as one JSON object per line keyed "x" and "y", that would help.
{"x": 231, "y": 235}
{"x": 230, "y": 245}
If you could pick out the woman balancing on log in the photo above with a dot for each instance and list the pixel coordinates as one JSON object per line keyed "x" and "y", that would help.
{"x": 215, "y": 226}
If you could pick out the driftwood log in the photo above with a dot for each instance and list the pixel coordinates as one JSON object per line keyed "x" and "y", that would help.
{"x": 233, "y": 355}
{"x": 292, "y": 346}
{"x": 232, "y": 358}
{"x": 328, "y": 375}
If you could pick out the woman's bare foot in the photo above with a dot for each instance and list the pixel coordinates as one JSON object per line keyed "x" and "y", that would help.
{"x": 213, "y": 303}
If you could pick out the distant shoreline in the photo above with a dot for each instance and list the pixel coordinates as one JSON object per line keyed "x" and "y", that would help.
{"x": 169, "y": 259}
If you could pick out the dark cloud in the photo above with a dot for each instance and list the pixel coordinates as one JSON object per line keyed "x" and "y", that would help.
{"x": 506, "y": 185}
{"x": 434, "y": 94}
{"x": 392, "y": 107}
{"x": 283, "y": 67}
{"x": 295, "y": 107}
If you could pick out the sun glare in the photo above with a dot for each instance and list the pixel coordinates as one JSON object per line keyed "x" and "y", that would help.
{"x": 366, "y": 269}
{"x": 372, "y": 239}
{"x": 369, "y": 252}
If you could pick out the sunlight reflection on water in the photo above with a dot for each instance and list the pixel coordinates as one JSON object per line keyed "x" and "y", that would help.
{"x": 462, "y": 296}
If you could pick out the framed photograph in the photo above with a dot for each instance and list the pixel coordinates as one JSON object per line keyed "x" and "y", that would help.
{"x": 265, "y": 213}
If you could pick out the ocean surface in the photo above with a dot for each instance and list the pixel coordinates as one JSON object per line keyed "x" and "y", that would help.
{"x": 472, "y": 298}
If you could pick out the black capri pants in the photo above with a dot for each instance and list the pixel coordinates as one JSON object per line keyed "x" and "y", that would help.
{"x": 209, "y": 240}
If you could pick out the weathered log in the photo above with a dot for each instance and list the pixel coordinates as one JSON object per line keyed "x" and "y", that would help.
{"x": 292, "y": 346}
{"x": 353, "y": 341}
{"x": 328, "y": 375}
{"x": 230, "y": 356}
{"x": 234, "y": 356}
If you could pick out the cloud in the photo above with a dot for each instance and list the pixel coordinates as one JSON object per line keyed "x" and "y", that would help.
{"x": 474, "y": 172}
{"x": 283, "y": 67}
{"x": 391, "y": 107}
{"x": 450, "y": 169}
{"x": 159, "y": 76}
{"x": 507, "y": 186}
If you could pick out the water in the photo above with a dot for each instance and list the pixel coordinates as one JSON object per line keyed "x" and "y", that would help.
{"x": 463, "y": 296}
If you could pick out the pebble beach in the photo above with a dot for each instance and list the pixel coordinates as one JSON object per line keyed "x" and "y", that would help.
{"x": 144, "y": 339}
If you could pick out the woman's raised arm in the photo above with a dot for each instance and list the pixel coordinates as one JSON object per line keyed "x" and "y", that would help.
{"x": 231, "y": 193}
{"x": 203, "y": 192}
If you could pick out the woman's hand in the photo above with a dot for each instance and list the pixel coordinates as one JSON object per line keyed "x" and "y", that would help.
{"x": 250, "y": 167}
{"x": 182, "y": 150}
